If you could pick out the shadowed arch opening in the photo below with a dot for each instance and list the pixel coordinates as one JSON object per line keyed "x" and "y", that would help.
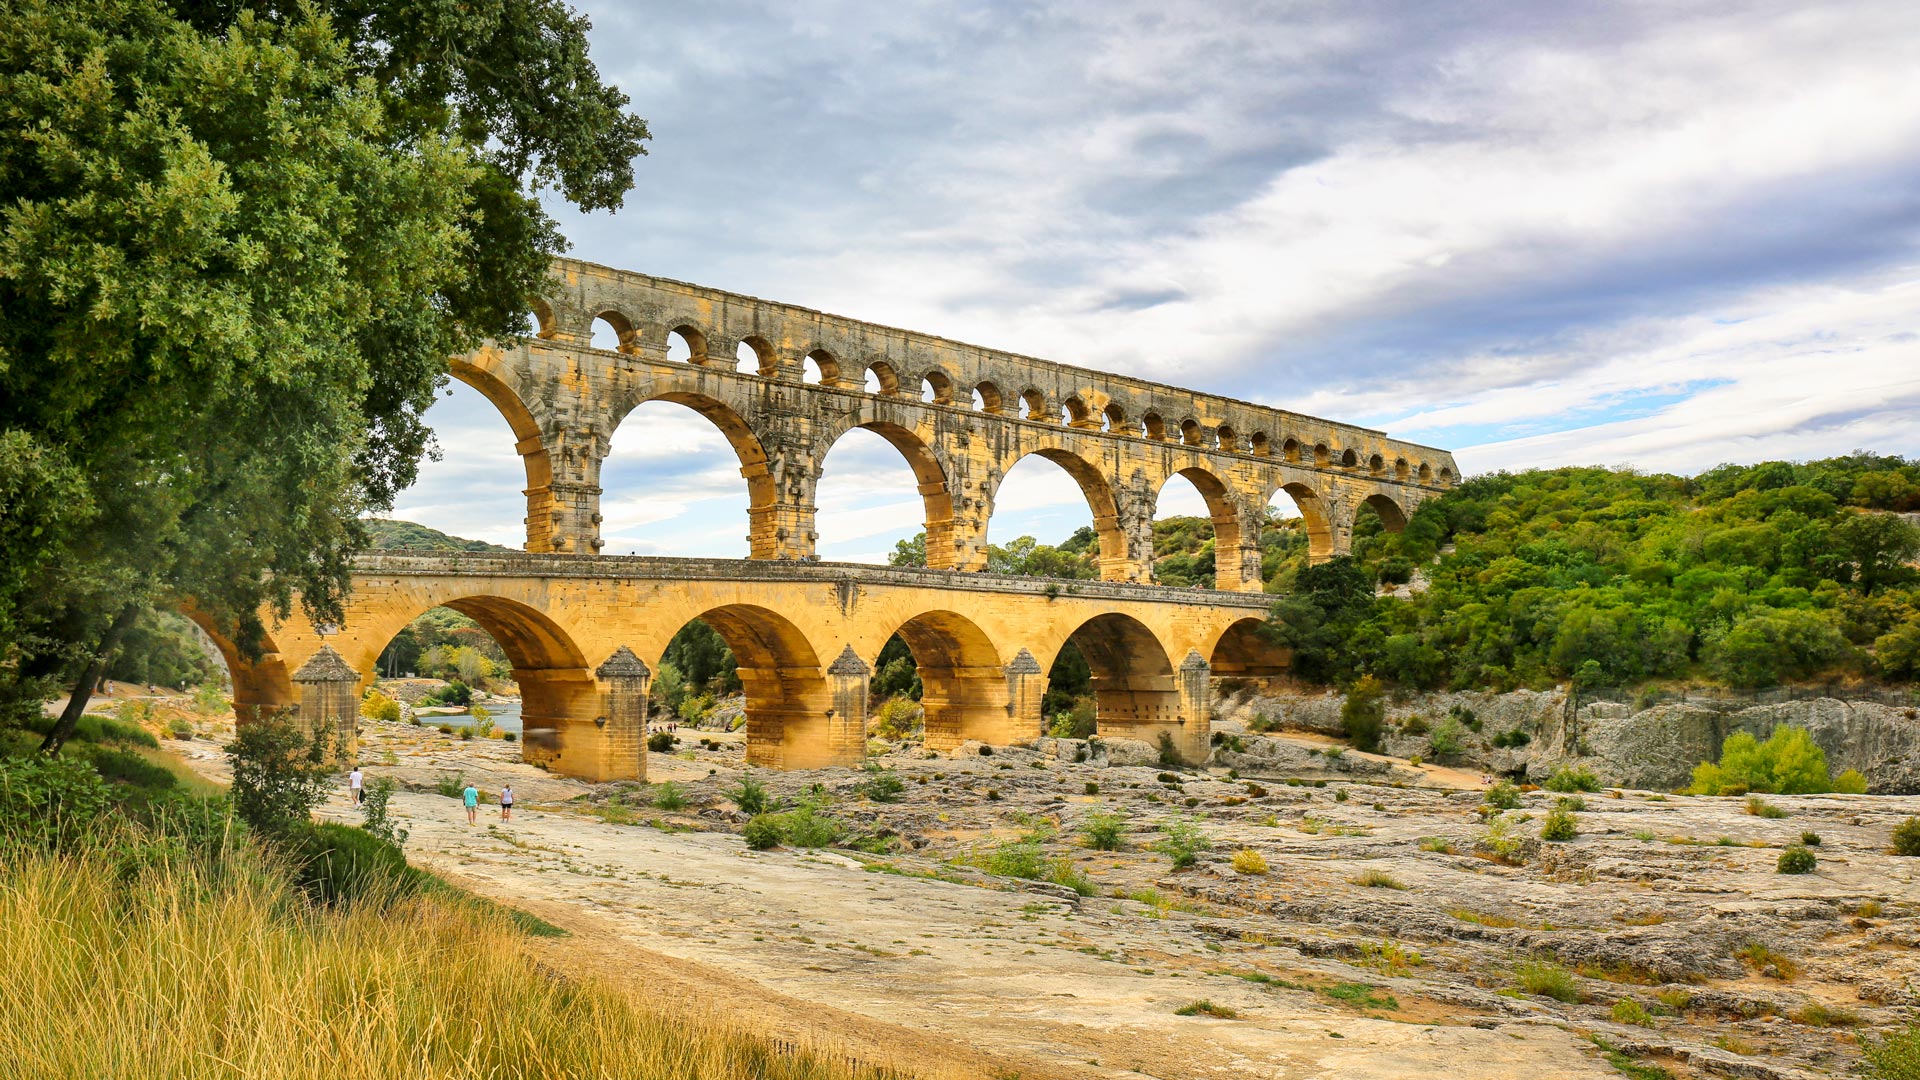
{"x": 1113, "y": 418}
{"x": 1130, "y": 677}
{"x": 1094, "y": 489}
{"x": 1260, "y": 444}
{"x": 1425, "y": 473}
{"x": 1033, "y": 405}
{"x": 755, "y": 356}
{"x": 670, "y": 489}
{"x": 880, "y": 378}
{"x": 614, "y": 332}
{"x": 1301, "y": 511}
{"x": 1235, "y": 557}
{"x": 845, "y": 492}
{"x": 1225, "y": 438}
{"x": 1153, "y": 426}
{"x": 986, "y": 398}
{"x": 1191, "y": 433}
{"x": 1392, "y": 517}
{"x": 788, "y": 700}
{"x": 483, "y": 644}
{"x": 820, "y": 368}
{"x": 963, "y": 691}
{"x": 687, "y": 345}
{"x": 1290, "y": 450}
{"x": 1248, "y": 651}
{"x": 1074, "y": 413}
{"x": 937, "y": 387}
{"x": 1349, "y": 459}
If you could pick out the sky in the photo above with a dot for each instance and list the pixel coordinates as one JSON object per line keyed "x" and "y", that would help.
{"x": 1661, "y": 235}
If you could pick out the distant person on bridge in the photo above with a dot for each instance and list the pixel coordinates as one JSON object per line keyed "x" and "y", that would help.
{"x": 471, "y": 797}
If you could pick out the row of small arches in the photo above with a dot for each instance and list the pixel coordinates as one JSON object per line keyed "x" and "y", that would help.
{"x": 756, "y": 356}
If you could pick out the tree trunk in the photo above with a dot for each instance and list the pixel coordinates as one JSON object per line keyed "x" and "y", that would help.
{"x": 89, "y": 678}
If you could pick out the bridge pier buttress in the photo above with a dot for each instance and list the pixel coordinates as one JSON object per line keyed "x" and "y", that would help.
{"x": 622, "y": 740}
{"x": 1026, "y": 686}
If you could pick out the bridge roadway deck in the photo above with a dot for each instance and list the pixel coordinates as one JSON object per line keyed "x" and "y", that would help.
{"x": 586, "y": 633}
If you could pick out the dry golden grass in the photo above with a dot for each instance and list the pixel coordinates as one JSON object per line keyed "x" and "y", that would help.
{"x": 201, "y": 973}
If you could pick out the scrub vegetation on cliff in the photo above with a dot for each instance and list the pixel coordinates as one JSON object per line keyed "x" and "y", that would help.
{"x": 1744, "y": 575}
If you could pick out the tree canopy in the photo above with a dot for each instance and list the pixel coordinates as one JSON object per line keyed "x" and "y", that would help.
{"x": 238, "y": 243}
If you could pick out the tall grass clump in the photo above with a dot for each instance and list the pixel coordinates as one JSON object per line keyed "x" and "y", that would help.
{"x": 249, "y": 980}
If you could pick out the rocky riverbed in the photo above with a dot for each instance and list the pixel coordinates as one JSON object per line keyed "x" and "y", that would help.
{"x": 1396, "y": 928}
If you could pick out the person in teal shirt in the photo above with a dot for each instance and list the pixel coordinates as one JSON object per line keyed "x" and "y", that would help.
{"x": 472, "y": 798}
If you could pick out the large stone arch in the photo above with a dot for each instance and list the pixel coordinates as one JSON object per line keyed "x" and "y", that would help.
{"x": 1317, "y": 514}
{"x": 1236, "y": 556}
{"x": 1101, "y": 499}
{"x": 792, "y": 720}
{"x": 1392, "y": 515}
{"x": 1244, "y": 650}
{"x": 963, "y": 680}
{"x": 1140, "y": 689}
{"x": 930, "y": 477}
{"x": 764, "y": 530}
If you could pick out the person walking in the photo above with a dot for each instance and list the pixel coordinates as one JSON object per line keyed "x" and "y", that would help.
{"x": 506, "y": 803}
{"x": 353, "y": 785}
{"x": 471, "y": 797}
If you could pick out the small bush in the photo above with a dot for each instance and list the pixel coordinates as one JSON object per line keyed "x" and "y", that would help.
{"x": 1339, "y": 794}
{"x": 882, "y": 785}
{"x": 1850, "y": 783}
{"x": 764, "y": 831}
{"x": 1204, "y": 1007}
{"x": 1560, "y": 826}
{"x": 1249, "y": 861}
{"x": 808, "y": 828}
{"x": 338, "y": 864}
{"x": 660, "y": 742}
{"x": 1759, "y": 807}
{"x": 1810, "y": 839}
{"x": 1906, "y": 837}
{"x": 1092, "y": 788}
{"x": 749, "y": 795}
{"x": 1796, "y": 860}
{"x": 1629, "y": 1011}
{"x": 668, "y": 796}
{"x": 180, "y": 728}
{"x": 373, "y": 808}
{"x": 1438, "y": 844}
{"x": 1104, "y": 831}
{"x": 1569, "y": 779}
{"x": 1169, "y": 753}
{"x": 1502, "y": 796}
{"x": 1183, "y": 842}
{"x": 1542, "y": 979}
{"x": 450, "y": 784}
{"x": 378, "y": 706}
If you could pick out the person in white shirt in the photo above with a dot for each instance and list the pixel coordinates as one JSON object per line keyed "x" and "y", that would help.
{"x": 353, "y": 784}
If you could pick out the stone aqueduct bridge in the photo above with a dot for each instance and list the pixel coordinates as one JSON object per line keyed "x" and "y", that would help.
{"x": 584, "y": 631}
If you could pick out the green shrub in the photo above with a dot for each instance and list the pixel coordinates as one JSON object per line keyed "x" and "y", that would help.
{"x": 180, "y": 728}
{"x": 1810, "y": 839}
{"x": 373, "y": 807}
{"x": 750, "y": 795}
{"x": 660, "y": 742}
{"x": 1249, "y": 861}
{"x": 1103, "y": 831}
{"x": 1542, "y": 979}
{"x": 339, "y": 864}
{"x": 1895, "y": 1056}
{"x": 1788, "y": 763}
{"x": 451, "y": 785}
{"x": 1559, "y": 826}
{"x": 1169, "y": 753}
{"x": 1850, "y": 782}
{"x": 1092, "y": 788}
{"x": 1183, "y": 842}
{"x": 808, "y": 828}
{"x": 898, "y": 719}
{"x": 1567, "y": 778}
{"x": 1796, "y": 860}
{"x": 1502, "y": 796}
{"x": 1364, "y": 712}
{"x": 882, "y": 785}
{"x": 765, "y": 831}
{"x": 1629, "y": 1011}
{"x": 668, "y": 796}
{"x": 1906, "y": 837}
{"x": 1204, "y": 1007}
{"x": 279, "y": 775}
{"x": 49, "y": 803}
{"x": 1447, "y": 739}
{"x": 1759, "y": 807}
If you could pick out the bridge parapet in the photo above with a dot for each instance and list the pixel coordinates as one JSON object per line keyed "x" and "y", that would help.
{"x": 961, "y": 415}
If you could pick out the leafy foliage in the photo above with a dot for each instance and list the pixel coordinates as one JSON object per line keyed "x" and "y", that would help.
{"x": 1788, "y": 763}
{"x": 279, "y": 775}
